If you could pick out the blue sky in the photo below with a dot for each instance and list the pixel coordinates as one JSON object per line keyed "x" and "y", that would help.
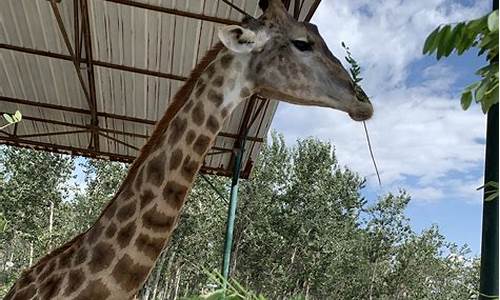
{"x": 423, "y": 141}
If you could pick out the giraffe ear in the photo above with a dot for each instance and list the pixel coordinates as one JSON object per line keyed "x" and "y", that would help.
{"x": 241, "y": 40}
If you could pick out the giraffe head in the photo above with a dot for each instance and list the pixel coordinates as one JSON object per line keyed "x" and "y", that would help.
{"x": 290, "y": 61}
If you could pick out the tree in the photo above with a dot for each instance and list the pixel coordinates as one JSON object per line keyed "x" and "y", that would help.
{"x": 303, "y": 230}
{"x": 32, "y": 194}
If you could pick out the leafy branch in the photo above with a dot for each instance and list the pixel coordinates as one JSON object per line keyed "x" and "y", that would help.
{"x": 355, "y": 71}
{"x": 11, "y": 119}
{"x": 481, "y": 33}
{"x": 491, "y": 190}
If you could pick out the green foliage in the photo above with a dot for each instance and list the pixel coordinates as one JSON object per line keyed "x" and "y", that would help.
{"x": 481, "y": 33}
{"x": 491, "y": 192}
{"x": 232, "y": 291}
{"x": 355, "y": 69}
{"x": 29, "y": 182}
{"x": 303, "y": 230}
{"x": 11, "y": 119}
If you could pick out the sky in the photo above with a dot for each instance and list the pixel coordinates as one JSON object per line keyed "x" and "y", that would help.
{"x": 423, "y": 141}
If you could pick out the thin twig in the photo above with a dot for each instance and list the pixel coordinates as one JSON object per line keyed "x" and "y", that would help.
{"x": 371, "y": 153}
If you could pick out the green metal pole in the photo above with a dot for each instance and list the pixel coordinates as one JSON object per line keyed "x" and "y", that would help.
{"x": 488, "y": 282}
{"x": 231, "y": 216}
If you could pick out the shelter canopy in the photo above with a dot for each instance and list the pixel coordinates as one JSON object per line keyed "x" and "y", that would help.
{"x": 91, "y": 77}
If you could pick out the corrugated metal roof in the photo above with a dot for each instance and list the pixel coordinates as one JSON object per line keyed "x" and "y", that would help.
{"x": 141, "y": 53}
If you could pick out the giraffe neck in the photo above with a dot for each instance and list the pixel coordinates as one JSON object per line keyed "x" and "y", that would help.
{"x": 114, "y": 257}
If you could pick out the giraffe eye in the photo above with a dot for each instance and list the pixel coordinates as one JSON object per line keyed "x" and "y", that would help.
{"x": 302, "y": 45}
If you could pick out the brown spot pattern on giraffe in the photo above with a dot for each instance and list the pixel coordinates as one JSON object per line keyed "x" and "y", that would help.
{"x": 200, "y": 88}
{"x": 48, "y": 270}
{"x": 210, "y": 71}
{"x": 187, "y": 106}
{"x": 25, "y": 293}
{"x": 146, "y": 198}
{"x": 245, "y": 92}
{"x": 126, "y": 212}
{"x": 189, "y": 168}
{"x": 156, "y": 220}
{"x": 129, "y": 274}
{"x": 175, "y": 159}
{"x": 190, "y": 137}
{"x": 95, "y": 290}
{"x": 125, "y": 234}
{"x": 94, "y": 233}
{"x": 178, "y": 126}
{"x": 75, "y": 280}
{"x": 27, "y": 278}
{"x": 102, "y": 256}
{"x": 127, "y": 194}
{"x": 65, "y": 258}
{"x": 224, "y": 112}
{"x": 80, "y": 256}
{"x": 198, "y": 114}
{"x": 110, "y": 210}
{"x": 50, "y": 287}
{"x": 215, "y": 97}
{"x": 156, "y": 169}
{"x": 212, "y": 124}
{"x": 150, "y": 246}
{"x": 174, "y": 193}
{"x": 201, "y": 144}
{"x": 225, "y": 61}
{"x": 111, "y": 230}
{"x": 218, "y": 81}
{"x": 138, "y": 180}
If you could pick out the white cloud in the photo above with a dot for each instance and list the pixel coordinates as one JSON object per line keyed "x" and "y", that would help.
{"x": 419, "y": 130}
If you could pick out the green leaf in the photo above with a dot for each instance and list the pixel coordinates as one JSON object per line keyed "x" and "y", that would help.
{"x": 466, "y": 41}
{"x": 493, "y": 21}
{"x": 489, "y": 100}
{"x": 472, "y": 86}
{"x": 18, "y": 116}
{"x": 444, "y": 40}
{"x": 466, "y": 100}
{"x": 481, "y": 90}
{"x": 476, "y": 26}
{"x": 8, "y": 118}
{"x": 430, "y": 42}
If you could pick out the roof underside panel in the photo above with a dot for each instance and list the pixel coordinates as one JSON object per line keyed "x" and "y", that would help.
{"x": 141, "y": 52}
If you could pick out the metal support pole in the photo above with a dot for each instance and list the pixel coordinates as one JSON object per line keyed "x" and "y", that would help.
{"x": 488, "y": 282}
{"x": 231, "y": 216}
{"x": 488, "y": 286}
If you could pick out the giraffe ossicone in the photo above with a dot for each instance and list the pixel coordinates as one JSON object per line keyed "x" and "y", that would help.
{"x": 275, "y": 56}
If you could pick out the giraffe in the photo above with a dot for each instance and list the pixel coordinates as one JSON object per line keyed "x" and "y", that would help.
{"x": 274, "y": 56}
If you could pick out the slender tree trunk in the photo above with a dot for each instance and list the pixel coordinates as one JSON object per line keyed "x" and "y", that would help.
{"x": 51, "y": 220}
{"x": 31, "y": 254}
{"x": 159, "y": 265}
{"x": 178, "y": 281}
{"x": 372, "y": 280}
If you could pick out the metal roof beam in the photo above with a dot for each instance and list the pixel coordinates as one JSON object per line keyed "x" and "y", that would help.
{"x": 173, "y": 11}
{"x": 94, "y": 62}
{"x": 94, "y": 122}
{"x": 101, "y": 114}
{"x": 62, "y": 149}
